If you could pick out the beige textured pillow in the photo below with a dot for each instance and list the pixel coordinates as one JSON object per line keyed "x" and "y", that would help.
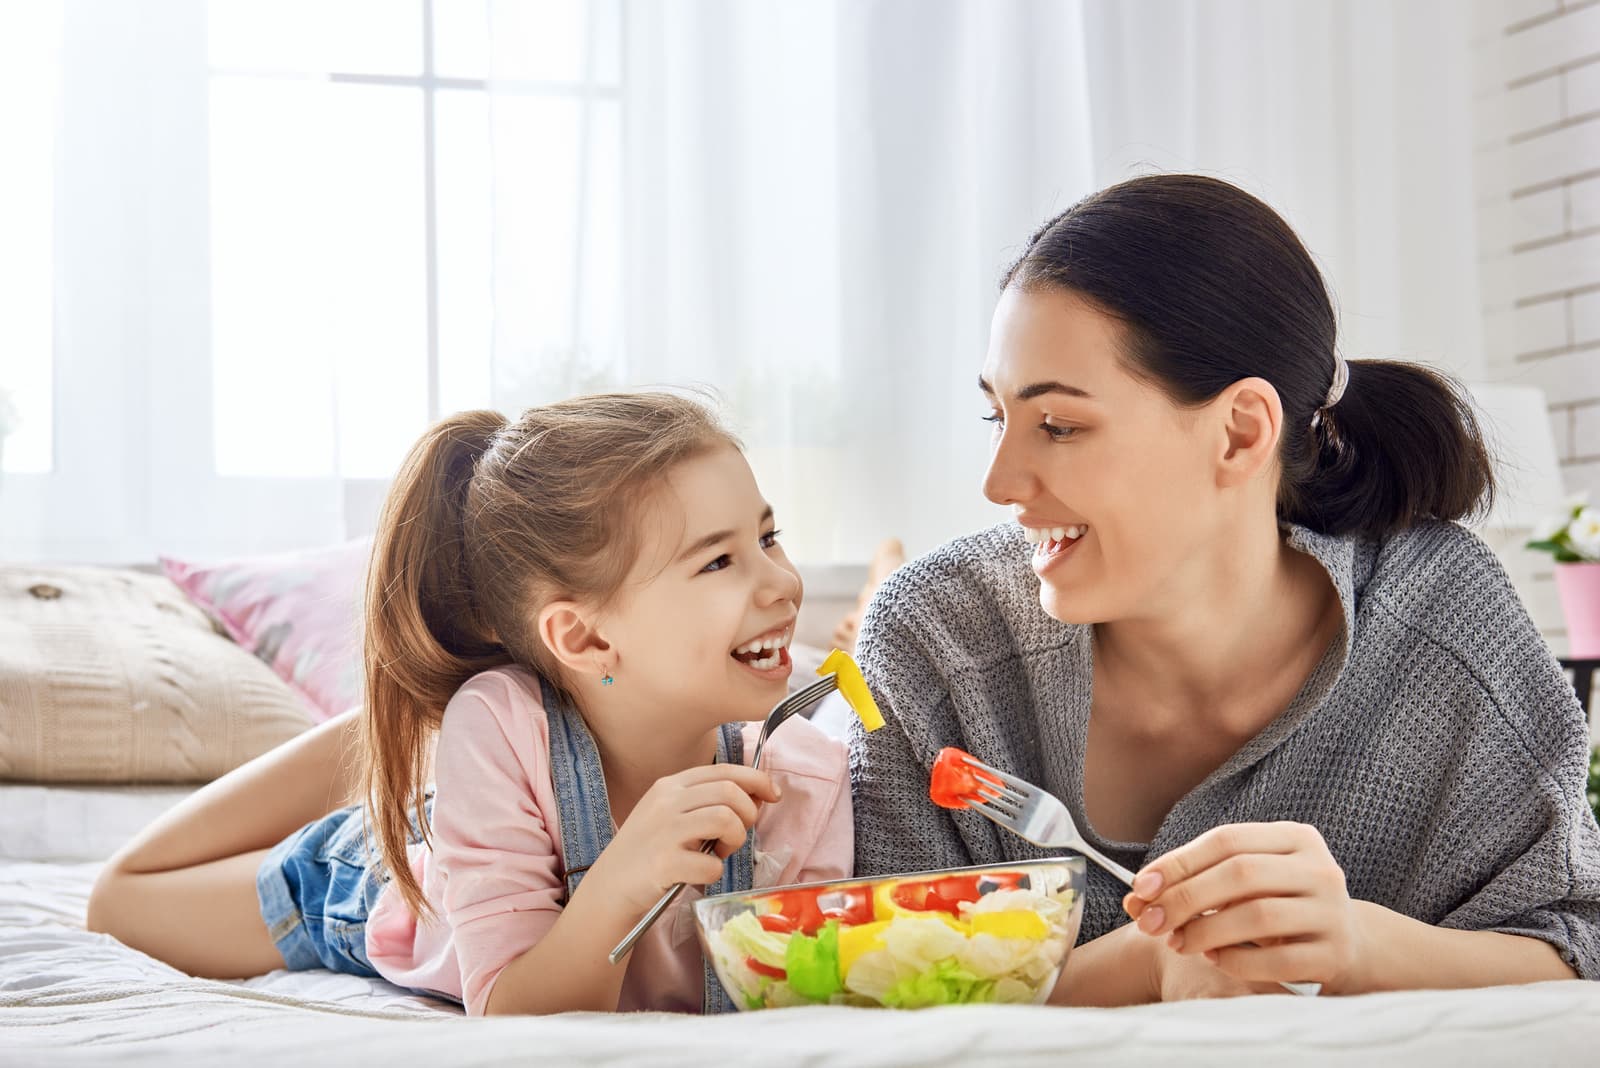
{"x": 111, "y": 675}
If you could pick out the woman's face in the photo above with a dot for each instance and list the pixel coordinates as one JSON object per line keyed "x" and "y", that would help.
{"x": 1117, "y": 485}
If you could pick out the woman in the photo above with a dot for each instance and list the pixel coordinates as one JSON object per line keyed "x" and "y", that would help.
{"x": 1235, "y": 629}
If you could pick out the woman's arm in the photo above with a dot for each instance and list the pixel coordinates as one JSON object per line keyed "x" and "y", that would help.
{"x": 1405, "y": 954}
{"x": 1276, "y": 885}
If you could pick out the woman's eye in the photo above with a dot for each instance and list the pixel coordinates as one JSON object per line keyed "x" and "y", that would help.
{"x": 996, "y": 418}
{"x": 718, "y": 564}
{"x": 1058, "y": 433}
{"x": 770, "y": 538}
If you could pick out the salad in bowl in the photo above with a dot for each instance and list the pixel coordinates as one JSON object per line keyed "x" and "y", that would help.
{"x": 997, "y": 933}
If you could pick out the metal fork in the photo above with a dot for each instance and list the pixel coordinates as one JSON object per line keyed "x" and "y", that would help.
{"x": 1039, "y": 816}
{"x": 781, "y": 712}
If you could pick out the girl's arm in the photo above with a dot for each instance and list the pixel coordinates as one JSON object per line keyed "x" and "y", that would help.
{"x": 657, "y": 846}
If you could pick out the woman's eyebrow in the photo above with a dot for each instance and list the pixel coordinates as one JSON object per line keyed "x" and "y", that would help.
{"x": 1038, "y": 389}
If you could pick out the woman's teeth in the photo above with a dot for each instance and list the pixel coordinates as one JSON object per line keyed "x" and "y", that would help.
{"x": 1053, "y": 536}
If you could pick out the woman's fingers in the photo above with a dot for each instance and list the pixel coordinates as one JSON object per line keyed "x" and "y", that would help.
{"x": 1262, "y": 920}
{"x": 1217, "y": 845}
{"x": 719, "y": 794}
{"x": 1290, "y": 962}
{"x": 1234, "y": 879}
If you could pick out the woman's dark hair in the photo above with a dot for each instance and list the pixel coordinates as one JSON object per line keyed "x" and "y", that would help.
{"x": 1212, "y": 286}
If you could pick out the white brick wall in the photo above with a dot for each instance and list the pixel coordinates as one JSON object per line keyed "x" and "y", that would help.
{"x": 1539, "y": 204}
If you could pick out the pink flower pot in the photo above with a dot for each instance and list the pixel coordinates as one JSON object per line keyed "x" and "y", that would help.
{"x": 1579, "y": 586}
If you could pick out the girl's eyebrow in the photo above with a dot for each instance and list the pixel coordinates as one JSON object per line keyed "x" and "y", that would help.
{"x": 1038, "y": 389}
{"x": 702, "y": 544}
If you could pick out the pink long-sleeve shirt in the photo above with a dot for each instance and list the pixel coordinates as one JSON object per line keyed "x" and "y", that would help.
{"x": 494, "y": 874}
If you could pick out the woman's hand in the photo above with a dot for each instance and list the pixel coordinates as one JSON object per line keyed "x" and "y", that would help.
{"x": 1271, "y": 884}
{"x": 658, "y": 845}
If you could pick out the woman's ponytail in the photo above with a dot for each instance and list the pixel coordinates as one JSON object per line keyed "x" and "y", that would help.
{"x": 1401, "y": 446}
{"x": 425, "y": 629}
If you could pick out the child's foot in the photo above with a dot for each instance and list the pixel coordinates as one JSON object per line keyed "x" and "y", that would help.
{"x": 889, "y": 555}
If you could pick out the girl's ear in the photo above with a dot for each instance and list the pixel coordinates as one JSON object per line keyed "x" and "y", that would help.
{"x": 1252, "y": 424}
{"x": 568, "y": 631}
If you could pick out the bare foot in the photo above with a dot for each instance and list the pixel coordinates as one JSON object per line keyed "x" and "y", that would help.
{"x": 889, "y": 555}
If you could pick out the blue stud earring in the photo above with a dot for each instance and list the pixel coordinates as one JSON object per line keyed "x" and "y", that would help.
{"x": 607, "y": 680}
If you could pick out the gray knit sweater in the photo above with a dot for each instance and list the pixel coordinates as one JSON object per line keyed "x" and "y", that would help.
{"x": 1438, "y": 747}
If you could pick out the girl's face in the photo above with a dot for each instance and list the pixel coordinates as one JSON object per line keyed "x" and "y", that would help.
{"x": 705, "y": 619}
{"x": 1115, "y": 483}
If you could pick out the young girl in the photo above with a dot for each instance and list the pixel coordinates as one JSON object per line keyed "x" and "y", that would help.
{"x": 569, "y": 619}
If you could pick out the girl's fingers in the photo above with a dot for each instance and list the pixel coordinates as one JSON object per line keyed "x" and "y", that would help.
{"x": 719, "y": 795}
{"x": 756, "y": 783}
{"x": 1261, "y": 920}
{"x": 721, "y": 825}
{"x": 1235, "y": 879}
{"x": 1291, "y": 962}
{"x": 1217, "y": 845}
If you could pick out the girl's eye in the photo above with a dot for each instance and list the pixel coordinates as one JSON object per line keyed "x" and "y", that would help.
{"x": 996, "y": 418}
{"x": 770, "y": 539}
{"x": 1058, "y": 433}
{"x": 718, "y": 564}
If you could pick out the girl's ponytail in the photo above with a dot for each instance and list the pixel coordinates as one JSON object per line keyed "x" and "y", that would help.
{"x": 1400, "y": 447}
{"x": 425, "y": 629}
{"x": 486, "y": 523}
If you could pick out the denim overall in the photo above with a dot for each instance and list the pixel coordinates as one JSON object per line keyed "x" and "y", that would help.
{"x": 580, "y": 788}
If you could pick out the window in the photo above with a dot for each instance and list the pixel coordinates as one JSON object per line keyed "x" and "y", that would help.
{"x": 397, "y": 192}
{"x": 30, "y": 44}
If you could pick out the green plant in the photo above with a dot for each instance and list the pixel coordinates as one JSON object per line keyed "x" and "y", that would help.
{"x": 1594, "y": 782}
{"x": 1573, "y": 536}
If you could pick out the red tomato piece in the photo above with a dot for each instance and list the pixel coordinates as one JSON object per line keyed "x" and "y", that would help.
{"x": 954, "y": 783}
{"x": 777, "y": 922}
{"x": 765, "y": 969}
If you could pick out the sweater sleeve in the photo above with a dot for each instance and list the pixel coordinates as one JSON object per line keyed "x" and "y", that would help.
{"x": 1532, "y": 864}
{"x": 1512, "y": 844}
{"x": 898, "y": 828}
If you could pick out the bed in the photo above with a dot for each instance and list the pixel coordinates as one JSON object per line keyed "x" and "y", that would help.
{"x": 70, "y": 997}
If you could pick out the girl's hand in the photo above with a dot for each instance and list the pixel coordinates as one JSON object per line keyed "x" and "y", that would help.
{"x": 658, "y": 845}
{"x": 1273, "y": 884}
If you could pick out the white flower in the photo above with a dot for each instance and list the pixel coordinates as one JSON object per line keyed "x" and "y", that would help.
{"x": 1585, "y": 534}
{"x": 1549, "y": 529}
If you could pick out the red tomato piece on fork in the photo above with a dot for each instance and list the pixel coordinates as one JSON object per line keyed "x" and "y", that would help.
{"x": 956, "y": 783}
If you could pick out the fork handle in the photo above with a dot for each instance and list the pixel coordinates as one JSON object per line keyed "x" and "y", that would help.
{"x": 1305, "y": 990}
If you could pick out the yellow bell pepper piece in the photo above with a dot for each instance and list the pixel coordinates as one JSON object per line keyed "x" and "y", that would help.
{"x": 1013, "y": 923}
{"x": 886, "y": 908}
{"x": 854, "y": 941}
{"x": 853, "y": 685}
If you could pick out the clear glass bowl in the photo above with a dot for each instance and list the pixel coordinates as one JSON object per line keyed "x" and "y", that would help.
{"x": 995, "y": 933}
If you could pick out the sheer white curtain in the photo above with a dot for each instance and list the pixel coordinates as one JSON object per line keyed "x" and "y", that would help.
{"x": 821, "y": 197}
{"x": 806, "y": 205}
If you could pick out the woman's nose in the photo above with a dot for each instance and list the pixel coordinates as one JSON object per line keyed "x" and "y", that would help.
{"x": 1007, "y": 481}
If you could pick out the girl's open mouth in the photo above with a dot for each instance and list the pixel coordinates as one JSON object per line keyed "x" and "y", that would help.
{"x": 768, "y": 655}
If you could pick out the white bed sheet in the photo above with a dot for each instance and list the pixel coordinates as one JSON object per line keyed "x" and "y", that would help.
{"x": 69, "y": 997}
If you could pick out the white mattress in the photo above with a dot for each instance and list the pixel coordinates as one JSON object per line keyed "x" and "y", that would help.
{"x": 70, "y": 997}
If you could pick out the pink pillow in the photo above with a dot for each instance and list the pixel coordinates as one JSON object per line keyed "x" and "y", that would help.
{"x": 300, "y": 612}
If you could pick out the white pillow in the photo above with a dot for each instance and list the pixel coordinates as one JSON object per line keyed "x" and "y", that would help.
{"x": 110, "y": 675}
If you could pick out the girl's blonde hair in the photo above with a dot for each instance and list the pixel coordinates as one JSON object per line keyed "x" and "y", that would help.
{"x": 487, "y": 522}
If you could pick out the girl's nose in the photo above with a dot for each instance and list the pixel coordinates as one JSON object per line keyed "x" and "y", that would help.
{"x": 779, "y": 582}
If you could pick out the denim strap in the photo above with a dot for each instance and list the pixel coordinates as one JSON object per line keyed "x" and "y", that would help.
{"x": 585, "y": 811}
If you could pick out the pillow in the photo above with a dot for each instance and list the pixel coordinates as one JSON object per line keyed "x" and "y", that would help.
{"x": 112, "y": 676}
{"x": 299, "y": 612}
